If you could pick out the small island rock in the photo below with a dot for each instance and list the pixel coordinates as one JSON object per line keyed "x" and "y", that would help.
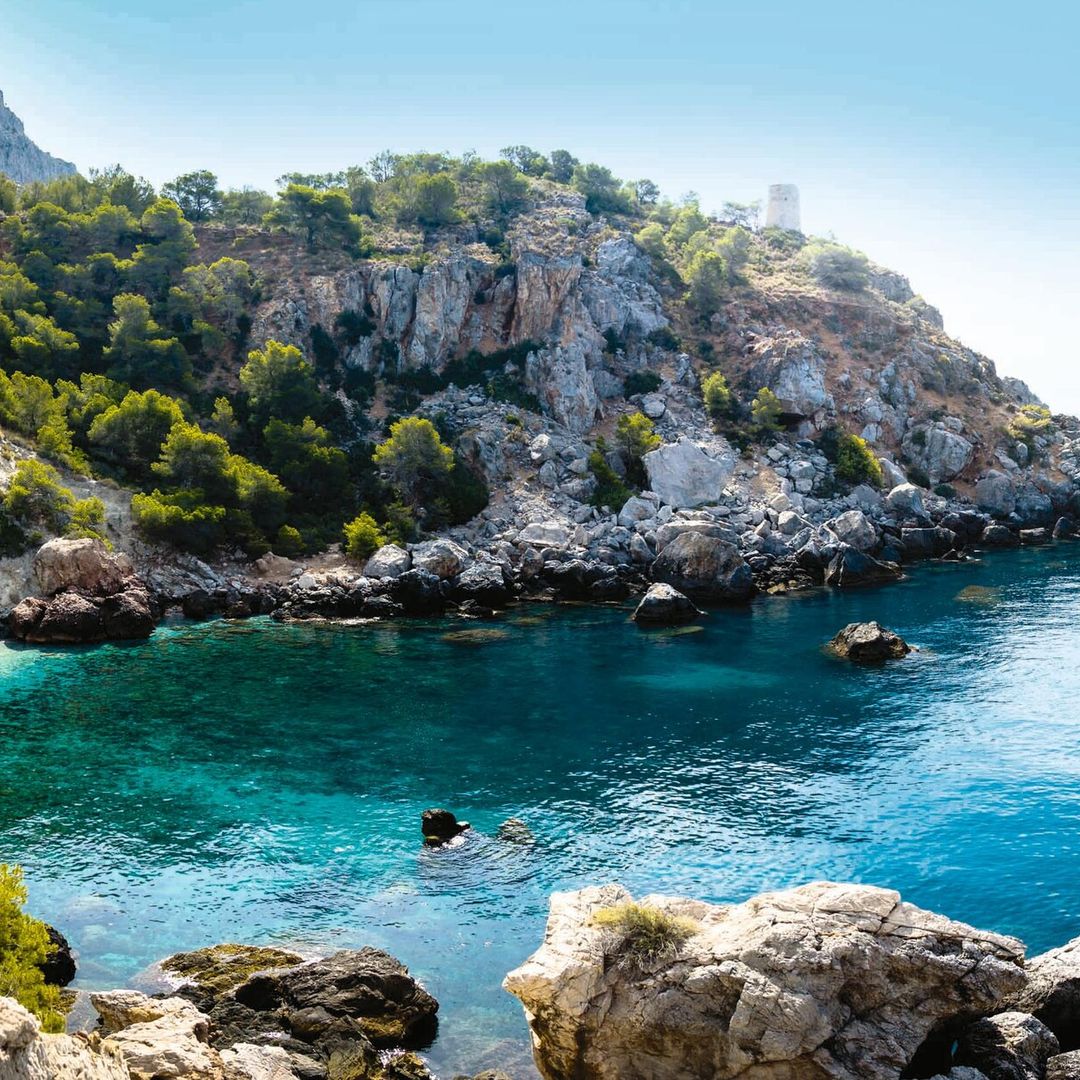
{"x": 664, "y": 605}
{"x": 868, "y": 642}
{"x": 439, "y": 826}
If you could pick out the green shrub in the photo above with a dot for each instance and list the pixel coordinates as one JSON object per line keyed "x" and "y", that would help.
{"x": 635, "y": 435}
{"x": 663, "y": 337}
{"x": 610, "y": 490}
{"x": 36, "y": 498}
{"x": 856, "y": 463}
{"x": 918, "y": 476}
{"x": 24, "y": 946}
{"x": 836, "y": 266}
{"x": 765, "y": 410}
{"x": 288, "y": 542}
{"x": 362, "y": 537}
{"x": 641, "y": 382}
{"x": 946, "y": 491}
{"x": 644, "y": 935}
{"x": 182, "y": 519}
{"x": 1030, "y": 421}
{"x": 719, "y": 399}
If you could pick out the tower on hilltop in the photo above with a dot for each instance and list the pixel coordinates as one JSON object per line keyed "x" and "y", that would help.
{"x": 783, "y": 210}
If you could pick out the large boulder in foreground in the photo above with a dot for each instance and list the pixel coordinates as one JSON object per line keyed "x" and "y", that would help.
{"x": 1008, "y": 1046}
{"x": 82, "y": 563}
{"x": 1052, "y": 992}
{"x": 823, "y": 981}
{"x": 868, "y": 643}
{"x": 705, "y": 568}
{"x": 664, "y": 606}
{"x": 73, "y": 618}
{"x": 27, "y": 1054}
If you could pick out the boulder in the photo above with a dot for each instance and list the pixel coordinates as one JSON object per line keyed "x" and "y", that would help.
{"x": 83, "y": 564}
{"x": 259, "y": 1062}
{"x": 850, "y": 567}
{"x": 942, "y": 453}
{"x": 868, "y": 643}
{"x": 636, "y": 509}
{"x": 27, "y": 1054}
{"x": 74, "y": 617}
{"x": 825, "y": 981}
{"x": 59, "y": 966}
{"x": 482, "y": 583}
{"x": 856, "y": 529}
{"x": 551, "y": 534}
{"x": 999, "y": 536}
{"x": 1064, "y": 1066}
{"x": 441, "y": 557}
{"x": 1008, "y": 1046}
{"x": 704, "y": 568}
{"x": 208, "y": 974}
{"x": 686, "y": 473}
{"x": 996, "y": 494}
{"x": 390, "y": 561}
{"x": 1034, "y": 536}
{"x": 664, "y": 606}
{"x": 906, "y": 500}
{"x": 366, "y": 987}
{"x": 929, "y": 543}
{"x": 418, "y": 592}
{"x": 1052, "y": 993}
{"x": 439, "y": 826}
{"x": 1064, "y": 528}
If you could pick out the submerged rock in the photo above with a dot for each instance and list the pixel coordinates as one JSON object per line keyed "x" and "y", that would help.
{"x": 439, "y": 826}
{"x": 826, "y": 981}
{"x": 663, "y": 605}
{"x": 868, "y": 643}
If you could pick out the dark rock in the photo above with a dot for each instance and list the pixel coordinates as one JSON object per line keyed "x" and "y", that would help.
{"x": 419, "y": 592}
{"x": 199, "y": 604}
{"x": 210, "y": 974}
{"x": 482, "y": 582}
{"x": 868, "y": 642}
{"x": 850, "y": 568}
{"x": 967, "y": 524}
{"x": 59, "y": 966}
{"x": 1052, "y": 993}
{"x": 380, "y": 607}
{"x": 663, "y": 605}
{"x": 365, "y": 985}
{"x": 705, "y": 568}
{"x": 927, "y": 543}
{"x": 1008, "y": 1046}
{"x": 999, "y": 536}
{"x": 438, "y": 826}
{"x": 128, "y": 615}
{"x": 1064, "y": 528}
{"x": 1034, "y": 536}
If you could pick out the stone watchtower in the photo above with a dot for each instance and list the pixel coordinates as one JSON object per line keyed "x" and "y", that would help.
{"x": 783, "y": 211}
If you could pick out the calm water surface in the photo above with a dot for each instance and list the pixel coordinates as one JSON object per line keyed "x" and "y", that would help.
{"x": 263, "y": 783}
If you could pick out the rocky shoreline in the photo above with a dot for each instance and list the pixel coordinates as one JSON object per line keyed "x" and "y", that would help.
{"x": 826, "y": 981}
{"x": 709, "y": 556}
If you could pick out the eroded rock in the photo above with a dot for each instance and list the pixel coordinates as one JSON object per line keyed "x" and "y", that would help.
{"x": 663, "y": 605}
{"x": 705, "y": 568}
{"x": 868, "y": 643}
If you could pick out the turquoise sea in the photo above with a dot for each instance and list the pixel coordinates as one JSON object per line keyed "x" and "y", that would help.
{"x": 264, "y": 783}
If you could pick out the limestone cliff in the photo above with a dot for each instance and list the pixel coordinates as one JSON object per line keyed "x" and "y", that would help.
{"x": 20, "y": 158}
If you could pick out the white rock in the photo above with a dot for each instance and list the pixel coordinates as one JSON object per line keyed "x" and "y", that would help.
{"x": 906, "y": 499}
{"x": 686, "y": 473}
{"x": 856, "y": 529}
{"x": 653, "y": 406}
{"x": 390, "y": 561}
{"x": 545, "y": 533}
{"x": 636, "y": 509}
{"x": 441, "y": 557}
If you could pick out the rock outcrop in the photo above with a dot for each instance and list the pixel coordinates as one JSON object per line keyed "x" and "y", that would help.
{"x": 27, "y": 1054}
{"x": 689, "y": 473}
{"x": 1007, "y": 1046}
{"x": 834, "y": 982}
{"x": 1052, "y": 992}
{"x": 20, "y": 158}
{"x": 664, "y": 606}
{"x": 868, "y": 643}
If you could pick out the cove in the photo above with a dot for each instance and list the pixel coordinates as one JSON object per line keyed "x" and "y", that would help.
{"x": 263, "y": 783}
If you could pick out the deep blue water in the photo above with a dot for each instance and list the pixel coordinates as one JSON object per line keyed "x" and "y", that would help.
{"x": 256, "y": 782}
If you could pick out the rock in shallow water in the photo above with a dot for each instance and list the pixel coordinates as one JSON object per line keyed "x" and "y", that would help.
{"x": 705, "y": 568}
{"x": 439, "y": 826}
{"x": 868, "y": 643}
{"x": 663, "y": 605}
{"x": 766, "y": 989}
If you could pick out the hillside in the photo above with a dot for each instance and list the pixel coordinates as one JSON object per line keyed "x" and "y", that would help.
{"x": 20, "y": 158}
{"x": 605, "y": 369}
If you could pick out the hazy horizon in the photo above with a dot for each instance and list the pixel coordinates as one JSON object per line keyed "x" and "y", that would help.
{"x": 944, "y": 146}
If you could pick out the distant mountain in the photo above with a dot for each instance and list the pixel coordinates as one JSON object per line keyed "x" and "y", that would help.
{"x": 20, "y": 157}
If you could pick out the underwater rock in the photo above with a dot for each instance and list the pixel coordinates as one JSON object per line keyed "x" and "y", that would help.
{"x": 868, "y": 643}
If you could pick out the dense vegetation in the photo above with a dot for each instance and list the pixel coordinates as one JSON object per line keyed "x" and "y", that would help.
{"x": 24, "y": 946}
{"x": 125, "y": 357}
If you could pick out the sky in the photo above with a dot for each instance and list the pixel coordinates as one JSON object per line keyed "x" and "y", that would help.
{"x": 943, "y": 139}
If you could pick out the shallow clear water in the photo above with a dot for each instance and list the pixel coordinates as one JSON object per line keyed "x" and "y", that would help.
{"x": 256, "y": 782}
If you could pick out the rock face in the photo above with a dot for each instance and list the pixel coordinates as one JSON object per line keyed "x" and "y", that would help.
{"x": 868, "y": 643}
{"x": 823, "y": 981}
{"x": 59, "y": 966}
{"x": 1052, "y": 993}
{"x": 664, "y": 606}
{"x": 27, "y": 1054}
{"x": 22, "y": 160}
{"x": 390, "y": 561}
{"x": 686, "y": 473}
{"x": 1008, "y": 1046}
{"x": 705, "y": 568}
{"x": 850, "y": 567}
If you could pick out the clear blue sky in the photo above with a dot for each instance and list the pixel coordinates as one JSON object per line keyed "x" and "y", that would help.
{"x": 941, "y": 138}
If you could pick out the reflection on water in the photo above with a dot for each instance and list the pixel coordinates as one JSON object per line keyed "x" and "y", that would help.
{"x": 264, "y": 783}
